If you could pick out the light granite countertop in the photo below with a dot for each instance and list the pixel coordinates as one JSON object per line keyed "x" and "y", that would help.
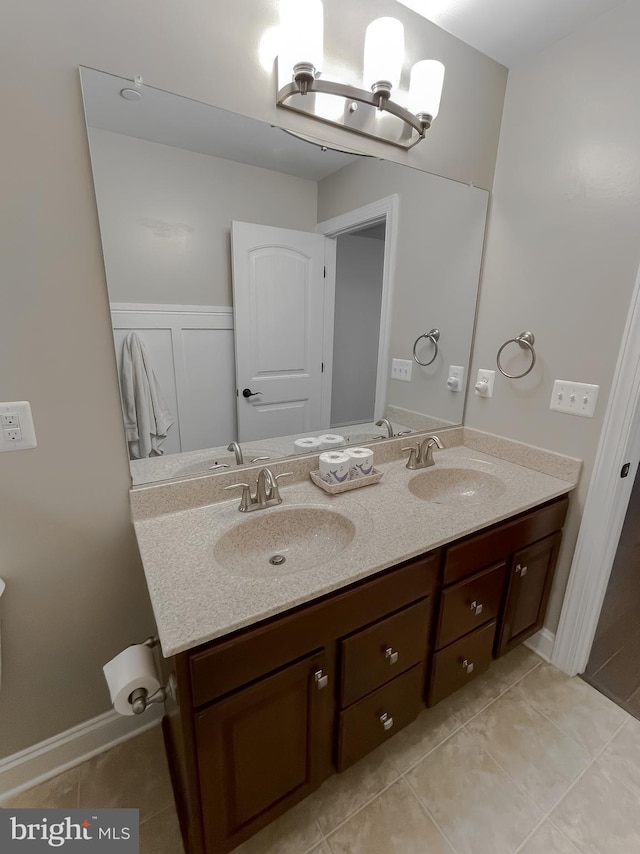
{"x": 197, "y": 598}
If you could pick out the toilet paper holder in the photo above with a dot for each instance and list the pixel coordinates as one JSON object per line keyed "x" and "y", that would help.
{"x": 140, "y": 699}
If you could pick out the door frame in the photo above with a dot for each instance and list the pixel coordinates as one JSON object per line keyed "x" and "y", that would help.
{"x": 387, "y": 209}
{"x": 606, "y": 505}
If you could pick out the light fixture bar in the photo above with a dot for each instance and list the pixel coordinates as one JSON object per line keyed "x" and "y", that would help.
{"x": 295, "y": 96}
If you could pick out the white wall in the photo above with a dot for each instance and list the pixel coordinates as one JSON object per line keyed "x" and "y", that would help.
{"x": 359, "y": 264}
{"x": 563, "y": 240}
{"x": 165, "y": 217}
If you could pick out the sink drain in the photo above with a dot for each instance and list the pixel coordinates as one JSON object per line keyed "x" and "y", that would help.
{"x": 277, "y": 560}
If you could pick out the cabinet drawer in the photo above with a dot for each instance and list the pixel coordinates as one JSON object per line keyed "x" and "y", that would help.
{"x": 377, "y": 654}
{"x": 462, "y": 661}
{"x": 481, "y": 550}
{"x": 378, "y": 716}
{"x": 469, "y": 604}
{"x": 230, "y": 663}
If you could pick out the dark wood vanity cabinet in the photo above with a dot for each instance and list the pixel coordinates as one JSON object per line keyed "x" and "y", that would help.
{"x": 268, "y": 713}
{"x": 494, "y": 594}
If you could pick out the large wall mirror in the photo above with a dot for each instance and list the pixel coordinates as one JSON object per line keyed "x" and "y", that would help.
{"x": 272, "y": 288}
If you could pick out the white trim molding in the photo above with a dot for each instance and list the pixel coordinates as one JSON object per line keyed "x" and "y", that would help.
{"x": 605, "y": 506}
{"x": 542, "y": 644}
{"x": 51, "y": 757}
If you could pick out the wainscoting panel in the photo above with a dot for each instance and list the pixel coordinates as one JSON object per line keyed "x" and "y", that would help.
{"x": 193, "y": 358}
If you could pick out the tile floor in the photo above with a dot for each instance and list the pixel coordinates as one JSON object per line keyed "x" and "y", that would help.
{"x": 522, "y": 760}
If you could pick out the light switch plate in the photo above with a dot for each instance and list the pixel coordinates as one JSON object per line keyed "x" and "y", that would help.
{"x": 17, "y": 432}
{"x": 574, "y": 398}
{"x": 401, "y": 369}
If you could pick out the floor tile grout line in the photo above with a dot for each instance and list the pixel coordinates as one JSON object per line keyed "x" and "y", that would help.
{"x": 430, "y": 815}
{"x": 569, "y": 735}
{"x": 501, "y": 694}
{"x": 505, "y": 772}
{"x": 547, "y": 815}
{"x": 360, "y": 808}
{"x": 430, "y": 751}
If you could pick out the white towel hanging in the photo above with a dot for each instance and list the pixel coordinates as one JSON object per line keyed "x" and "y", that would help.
{"x": 147, "y": 418}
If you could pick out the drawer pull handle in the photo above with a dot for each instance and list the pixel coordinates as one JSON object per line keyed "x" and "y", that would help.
{"x": 391, "y": 656}
{"x": 321, "y": 679}
{"x": 477, "y": 607}
{"x": 522, "y": 570}
{"x": 468, "y": 666}
{"x": 386, "y": 721}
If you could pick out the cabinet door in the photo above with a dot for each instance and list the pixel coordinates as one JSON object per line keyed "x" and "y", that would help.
{"x": 261, "y": 750}
{"x": 528, "y": 592}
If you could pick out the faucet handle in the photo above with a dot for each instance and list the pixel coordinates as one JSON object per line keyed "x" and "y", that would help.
{"x": 412, "y": 462}
{"x": 246, "y": 500}
{"x": 275, "y": 490}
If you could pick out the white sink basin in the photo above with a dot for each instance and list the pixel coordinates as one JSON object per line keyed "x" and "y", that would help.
{"x": 283, "y": 540}
{"x": 456, "y": 486}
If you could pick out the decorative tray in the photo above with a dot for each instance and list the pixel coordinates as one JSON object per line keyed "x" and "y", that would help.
{"x": 356, "y": 483}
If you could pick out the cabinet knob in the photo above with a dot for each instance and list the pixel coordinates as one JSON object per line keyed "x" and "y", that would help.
{"x": 321, "y": 679}
{"x": 522, "y": 570}
{"x": 468, "y": 666}
{"x": 391, "y": 655}
{"x": 476, "y": 607}
{"x": 386, "y": 720}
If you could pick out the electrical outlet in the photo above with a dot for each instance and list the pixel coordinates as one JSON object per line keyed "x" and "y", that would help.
{"x": 401, "y": 369}
{"x": 455, "y": 380}
{"x": 484, "y": 383}
{"x": 574, "y": 398}
{"x": 17, "y": 426}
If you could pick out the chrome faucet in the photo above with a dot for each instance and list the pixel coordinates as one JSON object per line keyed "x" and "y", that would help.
{"x": 237, "y": 450}
{"x": 421, "y": 457}
{"x": 384, "y": 422}
{"x": 267, "y": 493}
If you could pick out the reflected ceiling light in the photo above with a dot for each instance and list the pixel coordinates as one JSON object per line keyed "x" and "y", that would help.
{"x": 374, "y": 110}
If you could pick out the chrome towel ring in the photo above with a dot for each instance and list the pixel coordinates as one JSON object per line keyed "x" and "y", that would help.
{"x": 434, "y": 336}
{"x": 526, "y": 340}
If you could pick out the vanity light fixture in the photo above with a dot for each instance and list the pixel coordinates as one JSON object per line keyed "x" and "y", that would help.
{"x": 370, "y": 110}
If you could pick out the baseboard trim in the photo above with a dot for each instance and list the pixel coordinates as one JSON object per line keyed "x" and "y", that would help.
{"x": 57, "y": 754}
{"x": 542, "y": 644}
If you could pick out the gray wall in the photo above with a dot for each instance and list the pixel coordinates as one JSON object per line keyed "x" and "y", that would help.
{"x": 165, "y": 217}
{"x": 563, "y": 240}
{"x": 359, "y": 262}
{"x": 75, "y": 588}
{"x": 441, "y": 226}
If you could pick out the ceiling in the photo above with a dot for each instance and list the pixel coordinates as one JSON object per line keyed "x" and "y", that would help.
{"x": 510, "y": 31}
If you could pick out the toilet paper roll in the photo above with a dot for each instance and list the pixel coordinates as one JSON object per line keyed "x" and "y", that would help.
{"x": 361, "y": 462}
{"x": 307, "y": 445}
{"x": 335, "y": 467}
{"x": 133, "y": 668}
{"x": 330, "y": 441}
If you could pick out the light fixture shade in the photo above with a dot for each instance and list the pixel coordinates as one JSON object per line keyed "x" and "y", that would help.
{"x": 383, "y": 52}
{"x": 425, "y": 87}
{"x": 301, "y": 24}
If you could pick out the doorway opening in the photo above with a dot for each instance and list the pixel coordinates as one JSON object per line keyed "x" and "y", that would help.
{"x": 356, "y": 324}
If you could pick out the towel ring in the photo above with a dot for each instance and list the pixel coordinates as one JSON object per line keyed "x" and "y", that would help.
{"x": 434, "y": 336}
{"x": 526, "y": 340}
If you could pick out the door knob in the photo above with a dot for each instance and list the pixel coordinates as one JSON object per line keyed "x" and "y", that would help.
{"x": 246, "y": 392}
